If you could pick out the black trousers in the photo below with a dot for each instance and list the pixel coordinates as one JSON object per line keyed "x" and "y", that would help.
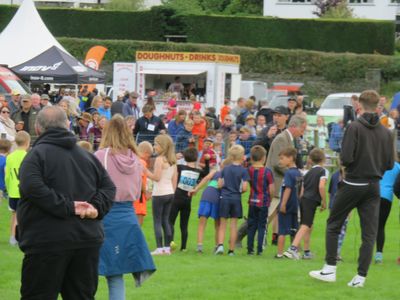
{"x": 384, "y": 212}
{"x": 367, "y": 200}
{"x": 183, "y": 208}
{"x": 71, "y": 273}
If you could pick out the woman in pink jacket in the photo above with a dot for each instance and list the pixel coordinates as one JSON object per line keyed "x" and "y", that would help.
{"x": 125, "y": 249}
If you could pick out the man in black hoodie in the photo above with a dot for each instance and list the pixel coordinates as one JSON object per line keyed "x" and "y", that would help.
{"x": 367, "y": 152}
{"x": 65, "y": 192}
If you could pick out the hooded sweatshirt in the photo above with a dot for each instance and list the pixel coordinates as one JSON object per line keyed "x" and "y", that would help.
{"x": 367, "y": 150}
{"x": 125, "y": 171}
{"x": 54, "y": 174}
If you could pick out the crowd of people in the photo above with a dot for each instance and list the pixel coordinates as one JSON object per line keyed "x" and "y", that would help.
{"x": 271, "y": 153}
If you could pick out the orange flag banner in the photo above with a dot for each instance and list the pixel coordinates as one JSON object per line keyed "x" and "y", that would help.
{"x": 94, "y": 56}
{"x": 93, "y": 59}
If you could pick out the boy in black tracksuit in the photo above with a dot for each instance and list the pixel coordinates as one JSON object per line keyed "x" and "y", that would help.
{"x": 367, "y": 152}
{"x": 188, "y": 177}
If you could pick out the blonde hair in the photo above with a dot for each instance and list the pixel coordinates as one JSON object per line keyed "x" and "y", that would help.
{"x": 117, "y": 136}
{"x": 22, "y": 138}
{"x": 167, "y": 148}
{"x": 145, "y": 147}
{"x": 85, "y": 145}
{"x": 97, "y": 100}
{"x": 236, "y": 153}
{"x": 189, "y": 122}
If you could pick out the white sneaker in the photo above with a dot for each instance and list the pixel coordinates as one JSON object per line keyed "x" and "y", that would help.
{"x": 292, "y": 254}
{"x": 357, "y": 282}
{"x": 158, "y": 251}
{"x": 220, "y": 250}
{"x": 327, "y": 274}
{"x": 167, "y": 250}
{"x": 13, "y": 241}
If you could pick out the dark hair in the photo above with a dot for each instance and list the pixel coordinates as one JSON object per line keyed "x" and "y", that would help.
{"x": 108, "y": 98}
{"x": 257, "y": 153}
{"x": 211, "y": 110}
{"x": 190, "y": 155}
{"x": 289, "y": 152}
{"x": 5, "y": 146}
{"x": 317, "y": 155}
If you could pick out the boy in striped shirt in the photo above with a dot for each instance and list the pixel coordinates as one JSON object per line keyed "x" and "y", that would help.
{"x": 262, "y": 187}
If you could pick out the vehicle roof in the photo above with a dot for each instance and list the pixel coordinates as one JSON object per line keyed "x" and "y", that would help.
{"x": 344, "y": 95}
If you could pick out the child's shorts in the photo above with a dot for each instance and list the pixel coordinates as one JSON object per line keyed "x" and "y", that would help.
{"x": 140, "y": 207}
{"x": 208, "y": 209}
{"x": 230, "y": 209}
{"x": 13, "y": 204}
{"x": 307, "y": 211}
{"x": 288, "y": 223}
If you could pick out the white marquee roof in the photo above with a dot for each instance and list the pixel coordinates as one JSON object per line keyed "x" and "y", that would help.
{"x": 25, "y": 37}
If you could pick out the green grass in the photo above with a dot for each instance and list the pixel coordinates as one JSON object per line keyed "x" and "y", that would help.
{"x": 192, "y": 276}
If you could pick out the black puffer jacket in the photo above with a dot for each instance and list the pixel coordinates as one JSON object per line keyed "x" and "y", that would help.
{"x": 54, "y": 174}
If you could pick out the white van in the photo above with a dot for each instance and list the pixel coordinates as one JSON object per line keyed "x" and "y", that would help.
{"x": 257, "y": 89}
{"x": 332, "y": 107}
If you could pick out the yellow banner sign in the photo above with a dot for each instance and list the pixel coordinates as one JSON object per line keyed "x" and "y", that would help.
{"x": 188, "y": 57}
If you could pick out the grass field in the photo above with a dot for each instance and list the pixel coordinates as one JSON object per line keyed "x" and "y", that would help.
{"x": 193, "y": 276}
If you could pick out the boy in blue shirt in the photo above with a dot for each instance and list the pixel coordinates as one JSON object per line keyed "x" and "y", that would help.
{"x": 233, "y": 183}
{"x": 5, "y": 146}
{"x": 289, "y": 202}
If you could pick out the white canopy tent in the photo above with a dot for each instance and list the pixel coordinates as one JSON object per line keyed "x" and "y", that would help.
{"x": 25, "y": 37}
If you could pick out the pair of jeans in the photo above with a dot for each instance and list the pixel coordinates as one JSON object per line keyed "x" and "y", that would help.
{"x": 116, "y": 287}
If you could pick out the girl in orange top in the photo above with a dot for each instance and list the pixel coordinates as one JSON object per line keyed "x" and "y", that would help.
{"x": 199, "y": 130}
{"x": 145, "y": 150}
{"x": 225, "y": 110}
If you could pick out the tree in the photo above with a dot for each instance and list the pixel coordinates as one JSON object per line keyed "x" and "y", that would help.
{"x": 184, "y": 6}
{"x": 125, "y": 5}
{"x": 248, "y": 7}
{"x": 334, "y": 9}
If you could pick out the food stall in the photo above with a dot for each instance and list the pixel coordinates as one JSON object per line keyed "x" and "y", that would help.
{"x": 210, "y": 77}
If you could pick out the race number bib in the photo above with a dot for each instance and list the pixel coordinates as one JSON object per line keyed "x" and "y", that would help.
{"x": 151, "y": 127}
{"x": 188, "y": 180}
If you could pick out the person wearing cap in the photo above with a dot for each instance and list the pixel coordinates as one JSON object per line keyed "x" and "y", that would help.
{"x": 265, "y": 111}
{"x": 208, "y": 153}
{"x": 83, "y": 124}
{"x": 117, "y": 106}
{"x": 15, "y": 103}
{"x": 291, "y": 105}
{"x": 25, "y": 118}
{"x": 85, "y": 99}
{"x": 131, "y": 108}
{"x": 148, "y": 126}
{"x": 44, "y": 101}
{"x": 251, "y": 124}
{"x": 246, "y": 140}
{"x": 267, "y": 135}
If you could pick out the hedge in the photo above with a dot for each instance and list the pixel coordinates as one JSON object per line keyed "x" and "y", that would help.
{"x": 334, "y": 67}
{"x": 89, "y": 23}
{"x": 355, "y": 35}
